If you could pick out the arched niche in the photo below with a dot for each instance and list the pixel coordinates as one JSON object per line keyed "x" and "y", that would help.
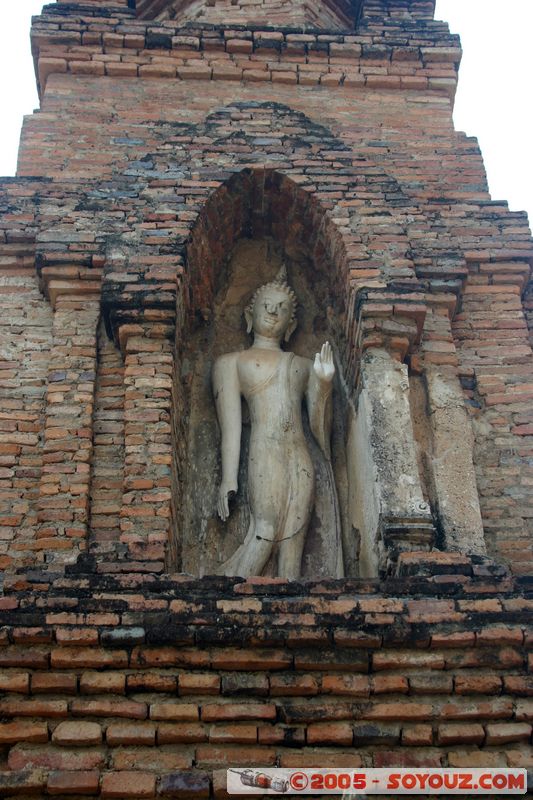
{"x": 252, "y": 224}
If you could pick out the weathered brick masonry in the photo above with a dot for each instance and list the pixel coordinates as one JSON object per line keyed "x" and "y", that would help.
{"x": 147, "y": 686}
{"x": 166, "y": 134}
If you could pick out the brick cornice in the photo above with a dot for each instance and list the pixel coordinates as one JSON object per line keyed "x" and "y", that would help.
{"x": 386, "y": 318}
{"x": 132, "y": 335}
{"x": 193, "y": 52}
{"x": 68, "y": 281}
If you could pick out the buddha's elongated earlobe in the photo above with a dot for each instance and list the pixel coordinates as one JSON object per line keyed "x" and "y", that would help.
{"x": 290, "y": 329}
{"x": 249, "y": 317}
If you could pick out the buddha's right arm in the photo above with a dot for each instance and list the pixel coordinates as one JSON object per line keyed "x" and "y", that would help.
{"x": 228, "y": 404}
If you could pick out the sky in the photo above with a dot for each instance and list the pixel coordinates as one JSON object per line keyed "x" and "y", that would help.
{"x": 493, "y": 100}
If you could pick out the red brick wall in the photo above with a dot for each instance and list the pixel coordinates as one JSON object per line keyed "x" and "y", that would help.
{"x": 155, "y": 147}
{"x": 386, "y": 105}
{"x": 26, "y": 326}
{"x": 143, "y": 684}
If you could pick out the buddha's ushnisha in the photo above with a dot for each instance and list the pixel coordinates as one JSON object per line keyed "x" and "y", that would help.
{"x": 281, "y": 480}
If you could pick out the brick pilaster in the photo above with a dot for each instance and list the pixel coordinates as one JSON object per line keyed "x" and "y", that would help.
{"x": 64, "y": 487}
{"x": 146, "y": 503}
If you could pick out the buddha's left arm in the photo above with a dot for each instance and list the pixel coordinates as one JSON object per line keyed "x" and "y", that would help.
{"x": 319, "y": 397}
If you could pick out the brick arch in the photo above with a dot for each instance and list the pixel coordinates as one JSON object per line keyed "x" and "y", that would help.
{"x": 305, "y": 187}
{"x": 355, "y": 215}
{"x": 258, "y": 202}
{"x": 315, "y": 14}
{"x": 361, "y": 212}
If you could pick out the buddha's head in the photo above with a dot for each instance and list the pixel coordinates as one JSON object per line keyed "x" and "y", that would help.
{"x": 272, "y": 310}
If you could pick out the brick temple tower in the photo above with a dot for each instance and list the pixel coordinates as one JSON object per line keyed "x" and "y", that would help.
{"x": 184, "y": 149}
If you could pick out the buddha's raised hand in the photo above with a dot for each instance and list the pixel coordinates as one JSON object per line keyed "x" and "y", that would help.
{"x": 324, "y": 366}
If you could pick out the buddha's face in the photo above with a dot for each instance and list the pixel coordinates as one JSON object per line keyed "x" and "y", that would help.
{"x": 272, "y": 313}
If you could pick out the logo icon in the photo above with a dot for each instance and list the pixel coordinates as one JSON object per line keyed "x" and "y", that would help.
{"x": 299, "y": 781}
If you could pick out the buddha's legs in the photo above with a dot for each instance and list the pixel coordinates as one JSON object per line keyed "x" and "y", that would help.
{"x": 292, "y": 537}
{"x": 252, "y": 556}
{"x": 290, "y": 555}
{"x": 280, "y": 489}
